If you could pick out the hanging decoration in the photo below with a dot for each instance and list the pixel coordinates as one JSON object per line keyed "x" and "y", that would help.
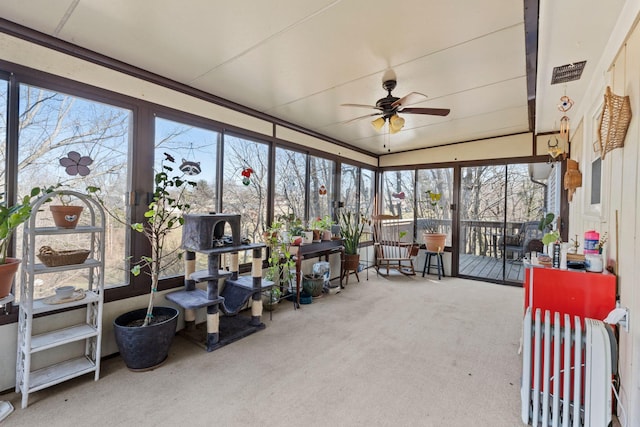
{"x": 572, "y": 178}
{"x": 554, "y": 149}
{"x": 614, "y": 121}
{"x": 189, "y": 167}
{"x": 322, "y": 190}
{"x": 75, "y": 164}
{"x": 565, "y": 104}
{"x": 246, "y": 175}
{"x": 564, "y": 128}
{"x": 397, "y": 198}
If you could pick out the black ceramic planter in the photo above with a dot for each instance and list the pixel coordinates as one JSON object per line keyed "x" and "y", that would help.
{"x": 145, "y": 348}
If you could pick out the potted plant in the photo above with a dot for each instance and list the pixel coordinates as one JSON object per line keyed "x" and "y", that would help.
{"x": 316, "y": 228}
{"x": 145, "y": 335}
{"x": 351, "y": 227}
{"x": 551, "y": 236}
{"x": 65, "y": 215}
{"x": 294, "y": 228}
{"x": 10, "y": 218}
{"x": 434, "y": 240}
{"x": 281, "y": 265}
{"x": 325, "y": 224}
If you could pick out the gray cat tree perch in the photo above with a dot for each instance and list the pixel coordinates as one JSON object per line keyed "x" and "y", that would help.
{"x": 204, "y": 233}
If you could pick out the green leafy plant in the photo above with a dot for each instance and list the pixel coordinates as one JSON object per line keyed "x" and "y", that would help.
{"x": 292, "y": 224}
{"x": 163, "y": 215}
{"x": 546, "y": 225}
{"x": 280, "y": 260}
{"x": 433, "y": 211}
{"x": 351, "y": 227}
{"x": 323, "y": 223}
{"x": 11, "y": 217}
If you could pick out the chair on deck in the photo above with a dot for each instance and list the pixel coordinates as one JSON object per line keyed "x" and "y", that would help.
{"x": 528, "y": 238}
{"x": 392, "y": 239}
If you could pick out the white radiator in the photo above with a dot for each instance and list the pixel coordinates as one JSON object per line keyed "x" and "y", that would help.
{"x": 566, "y": 372}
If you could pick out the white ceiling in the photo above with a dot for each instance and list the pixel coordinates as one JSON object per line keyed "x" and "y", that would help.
{"x": 298, "y": 60}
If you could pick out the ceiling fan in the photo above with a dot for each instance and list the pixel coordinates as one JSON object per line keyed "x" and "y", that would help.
{"x": 389, "y": 106}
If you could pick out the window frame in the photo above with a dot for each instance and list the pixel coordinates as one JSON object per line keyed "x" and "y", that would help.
{"x": 141, "y": 149}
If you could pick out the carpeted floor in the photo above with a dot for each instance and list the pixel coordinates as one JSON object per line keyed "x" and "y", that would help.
{"x": 397, "y": 351}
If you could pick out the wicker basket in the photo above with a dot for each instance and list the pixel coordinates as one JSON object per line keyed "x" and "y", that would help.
{"x": 52, "y": 258}
{"x": 614, "y": 121}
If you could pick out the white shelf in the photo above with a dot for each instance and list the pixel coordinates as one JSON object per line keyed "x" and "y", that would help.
{"x": 54, "y": 374}
{"x": 40, "y": 306}
{"x": 88, "y": 331}
{"x": 42, "y": 269}
{"x": 6, "y": 300}
{"x": 62, "y": 336}
{"x": 52, "y": 231}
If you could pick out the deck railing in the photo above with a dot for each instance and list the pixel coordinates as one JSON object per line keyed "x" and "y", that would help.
{"x": 480, "y": 238}
{"x": 483, "y": 237}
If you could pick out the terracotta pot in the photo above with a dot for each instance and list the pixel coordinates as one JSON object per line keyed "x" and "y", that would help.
{"x": 435, "y": 242}
{"x": 351, "y": 262}
{"x": 326, "y": 235}
{"x": 65, "y": 216}
{"x": 7, "y": 273}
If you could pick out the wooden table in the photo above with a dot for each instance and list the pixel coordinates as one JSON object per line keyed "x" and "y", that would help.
{"x": 312, "y": 250}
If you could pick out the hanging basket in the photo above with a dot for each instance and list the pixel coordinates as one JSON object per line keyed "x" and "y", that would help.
{"x": 572, "y": 178}
{"x": 614, "y": 121}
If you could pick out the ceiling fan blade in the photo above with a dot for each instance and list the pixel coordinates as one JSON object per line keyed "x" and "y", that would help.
{"x": 359, "y": 118}
{"x": 361, "y": 106}
{"x": 410, "y": 99}
{"x": 429, "y": 111}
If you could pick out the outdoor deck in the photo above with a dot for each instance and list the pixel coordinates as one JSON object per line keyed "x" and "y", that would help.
{"x": 491, "y": 268}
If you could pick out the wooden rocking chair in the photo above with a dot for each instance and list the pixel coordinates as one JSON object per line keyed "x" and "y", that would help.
{"x": 392, "y": 239}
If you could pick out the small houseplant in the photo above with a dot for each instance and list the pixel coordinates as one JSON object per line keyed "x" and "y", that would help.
{"x": 434, "y": 240}
{"x": 280, "y": 264}
{"x": 546, "y": 225}
{"x": 323, "y": 225}
{"x": 65, "y": 215}
{"x": 351, "y": 227}
{"x": 145, "y": 335}
{"x": 10, "y": 218}
{"x": 293, "y": 227}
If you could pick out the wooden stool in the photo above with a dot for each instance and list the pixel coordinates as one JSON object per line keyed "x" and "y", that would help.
{"x": 427, "y": 263}
{"x": 345, "y": 273}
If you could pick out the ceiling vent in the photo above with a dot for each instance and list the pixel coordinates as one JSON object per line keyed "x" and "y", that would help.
{"x": 567, "y": 73}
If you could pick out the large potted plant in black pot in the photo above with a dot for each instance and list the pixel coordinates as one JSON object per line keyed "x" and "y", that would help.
{"x": 144, "y": 336}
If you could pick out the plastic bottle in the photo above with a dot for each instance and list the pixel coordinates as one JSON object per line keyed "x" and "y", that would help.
{"x": 591, "y": 240}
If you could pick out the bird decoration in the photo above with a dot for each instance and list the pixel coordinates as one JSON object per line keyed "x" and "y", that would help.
{"x": 246, "y": 175}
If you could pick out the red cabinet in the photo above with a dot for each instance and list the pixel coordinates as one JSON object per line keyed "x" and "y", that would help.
{"x": 573, "y": 292}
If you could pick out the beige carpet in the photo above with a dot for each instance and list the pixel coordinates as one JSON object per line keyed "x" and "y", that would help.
{"x": 398, "y": 351}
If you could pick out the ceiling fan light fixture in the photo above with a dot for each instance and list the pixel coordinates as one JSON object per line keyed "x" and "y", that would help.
{"x": 396, "y": 123}
{"x": 378, "y": 123}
